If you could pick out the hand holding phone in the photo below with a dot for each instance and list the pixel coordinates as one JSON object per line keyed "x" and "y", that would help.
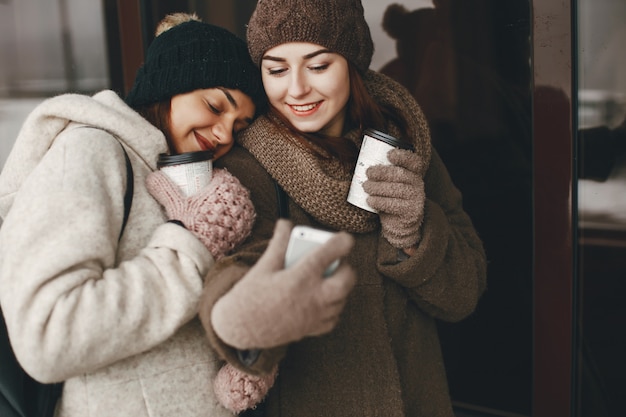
{"x": 271, "y": 306}
{"x": 303, "y": 240}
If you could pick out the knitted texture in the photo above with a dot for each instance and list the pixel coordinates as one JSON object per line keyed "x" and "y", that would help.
{"x": 319, "y": 186}
{"x": 273, "y": 306}
{"x": 396, "y": 191}
{"x": 338, "y": 25}
{"x": 194, "y": 55}
{"x": 221, "y": 215}
{"x": 238, "y": 391}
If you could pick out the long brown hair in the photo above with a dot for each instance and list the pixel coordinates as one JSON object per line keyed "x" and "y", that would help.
{"x": 158, "y": 114}
{"x": 362, "y": 112}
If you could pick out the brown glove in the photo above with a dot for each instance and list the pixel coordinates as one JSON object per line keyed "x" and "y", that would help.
{"x": 397, "y": 192}
{"x": 271, "y": 306}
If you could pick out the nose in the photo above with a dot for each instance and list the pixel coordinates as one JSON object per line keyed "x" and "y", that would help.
{"x": 298, "y": 85}
{"x": 223, "y": 132}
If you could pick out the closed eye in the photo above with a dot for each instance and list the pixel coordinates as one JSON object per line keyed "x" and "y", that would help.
{"x": 214, "y": 109}
{"x": 276, "y": 71}
{"x": 319, "y": 68}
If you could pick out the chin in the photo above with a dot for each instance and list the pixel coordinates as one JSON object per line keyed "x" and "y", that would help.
{"x": 308, "y": 127}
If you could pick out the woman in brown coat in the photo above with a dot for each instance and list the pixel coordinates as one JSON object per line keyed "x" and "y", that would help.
{"x": 362, "y": 342}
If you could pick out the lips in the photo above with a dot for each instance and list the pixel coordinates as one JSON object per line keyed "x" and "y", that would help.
{"x": 204, "y": 143}
{"x": 304, "y": 109}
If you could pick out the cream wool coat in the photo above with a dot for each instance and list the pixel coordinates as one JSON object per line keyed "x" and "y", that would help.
{"x": 116, "y": 321}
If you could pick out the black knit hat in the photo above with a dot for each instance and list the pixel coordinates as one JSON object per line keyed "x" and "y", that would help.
{"x": 194, "y": 55}
{"x": 338, "y": 25}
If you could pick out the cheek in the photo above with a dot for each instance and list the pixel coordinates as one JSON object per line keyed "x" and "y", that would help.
{"x": 173, "y": 131}
{"x": 177, "y": 122}
{"x": 272, "y": 87}
{"x": 345, "y": 96}
{"x": 339, "y": 87}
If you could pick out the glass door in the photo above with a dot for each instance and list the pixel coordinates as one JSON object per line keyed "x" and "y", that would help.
{"x": 601, "y": 83}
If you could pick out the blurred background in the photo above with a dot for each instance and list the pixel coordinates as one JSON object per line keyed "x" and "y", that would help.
{"x": 49, "y": 47}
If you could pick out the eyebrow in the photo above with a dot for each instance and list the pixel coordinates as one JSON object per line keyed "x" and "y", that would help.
{"x": 232, "y": 101}
{"x": 307, "y": 56}
{"x": 229, "y": 96}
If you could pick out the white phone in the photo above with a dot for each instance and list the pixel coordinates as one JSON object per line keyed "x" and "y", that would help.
{"x": 303, "y": 240}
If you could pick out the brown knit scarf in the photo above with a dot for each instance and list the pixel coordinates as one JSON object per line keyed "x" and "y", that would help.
{"x": 320, "y": 186}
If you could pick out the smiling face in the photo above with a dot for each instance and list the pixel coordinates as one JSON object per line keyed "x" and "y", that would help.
{"x": 208, "y": 119}
{"x": 309, "y": 85}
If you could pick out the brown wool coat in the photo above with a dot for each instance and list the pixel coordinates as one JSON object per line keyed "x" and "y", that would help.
{"x": 383, "y": 359}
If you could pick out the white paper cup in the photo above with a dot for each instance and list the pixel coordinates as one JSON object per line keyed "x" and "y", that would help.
{"x": 191, "y": 171}
{"x": 373, "y": 151}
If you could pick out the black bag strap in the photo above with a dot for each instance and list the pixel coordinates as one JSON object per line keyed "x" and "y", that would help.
{"x": 283, "y": 201}
{"x": 128, "y": 196}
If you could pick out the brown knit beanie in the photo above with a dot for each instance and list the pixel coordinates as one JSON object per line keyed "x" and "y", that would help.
{"x": 338, "y": 25}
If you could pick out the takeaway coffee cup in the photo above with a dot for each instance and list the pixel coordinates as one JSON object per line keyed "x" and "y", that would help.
{"x": 373, "y": 151}
{"x": 191, "y": 171}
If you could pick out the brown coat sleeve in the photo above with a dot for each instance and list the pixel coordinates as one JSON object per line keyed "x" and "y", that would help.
{"x": 447, "y": 275}
{"x": 229, "y": 270}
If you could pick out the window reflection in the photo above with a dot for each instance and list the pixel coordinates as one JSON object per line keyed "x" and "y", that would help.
{"x": 602, "y": 203}
{"x": 467, "y": 62}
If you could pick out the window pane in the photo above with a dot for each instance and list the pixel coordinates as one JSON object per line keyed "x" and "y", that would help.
{"x": 47, "y": 48}
{"x": 602, "y": 203}
{"x": 467, "y": 62}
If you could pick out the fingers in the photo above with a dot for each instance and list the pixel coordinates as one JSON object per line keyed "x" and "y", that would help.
{"x": 223, "y": 196}
{"x": 395, "y": 205}
{"x": 273, "y": 258}
{"x": 336, "y": 247}
{"x": 222, "y": 176}
{"x": 333, "y": 295}
{"x": 391, "y": 189}
{"x": 336, "y": 288}
{"x": 325, "y": 327}
{"x": 221, "y": 180}
{"x": 329, "y": 317}
{"x": 406, "y": 166}
{"x": 407, "y": 159}
{"x": 163, "y": 189}
{"x": 315, "y": 263}
{"x": 391, "y": 174}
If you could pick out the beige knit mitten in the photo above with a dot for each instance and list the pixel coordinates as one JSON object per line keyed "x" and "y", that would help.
{"x": 397, "y": 192}
{"x": 272, "y": 306}
{"x": 221, "y": 215}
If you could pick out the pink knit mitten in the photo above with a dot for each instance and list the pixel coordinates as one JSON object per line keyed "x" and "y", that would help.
{"x": 397, "y": 192}
{"x": 239, "y": 391}
{"x": 221, "y": 215}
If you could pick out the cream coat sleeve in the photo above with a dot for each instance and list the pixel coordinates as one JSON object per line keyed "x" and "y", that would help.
{"x": 71, "y": 307}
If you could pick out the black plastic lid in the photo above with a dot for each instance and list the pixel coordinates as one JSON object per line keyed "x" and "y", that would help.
{"x": 391, "y": 140}
{"x": 183, "y": 158}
